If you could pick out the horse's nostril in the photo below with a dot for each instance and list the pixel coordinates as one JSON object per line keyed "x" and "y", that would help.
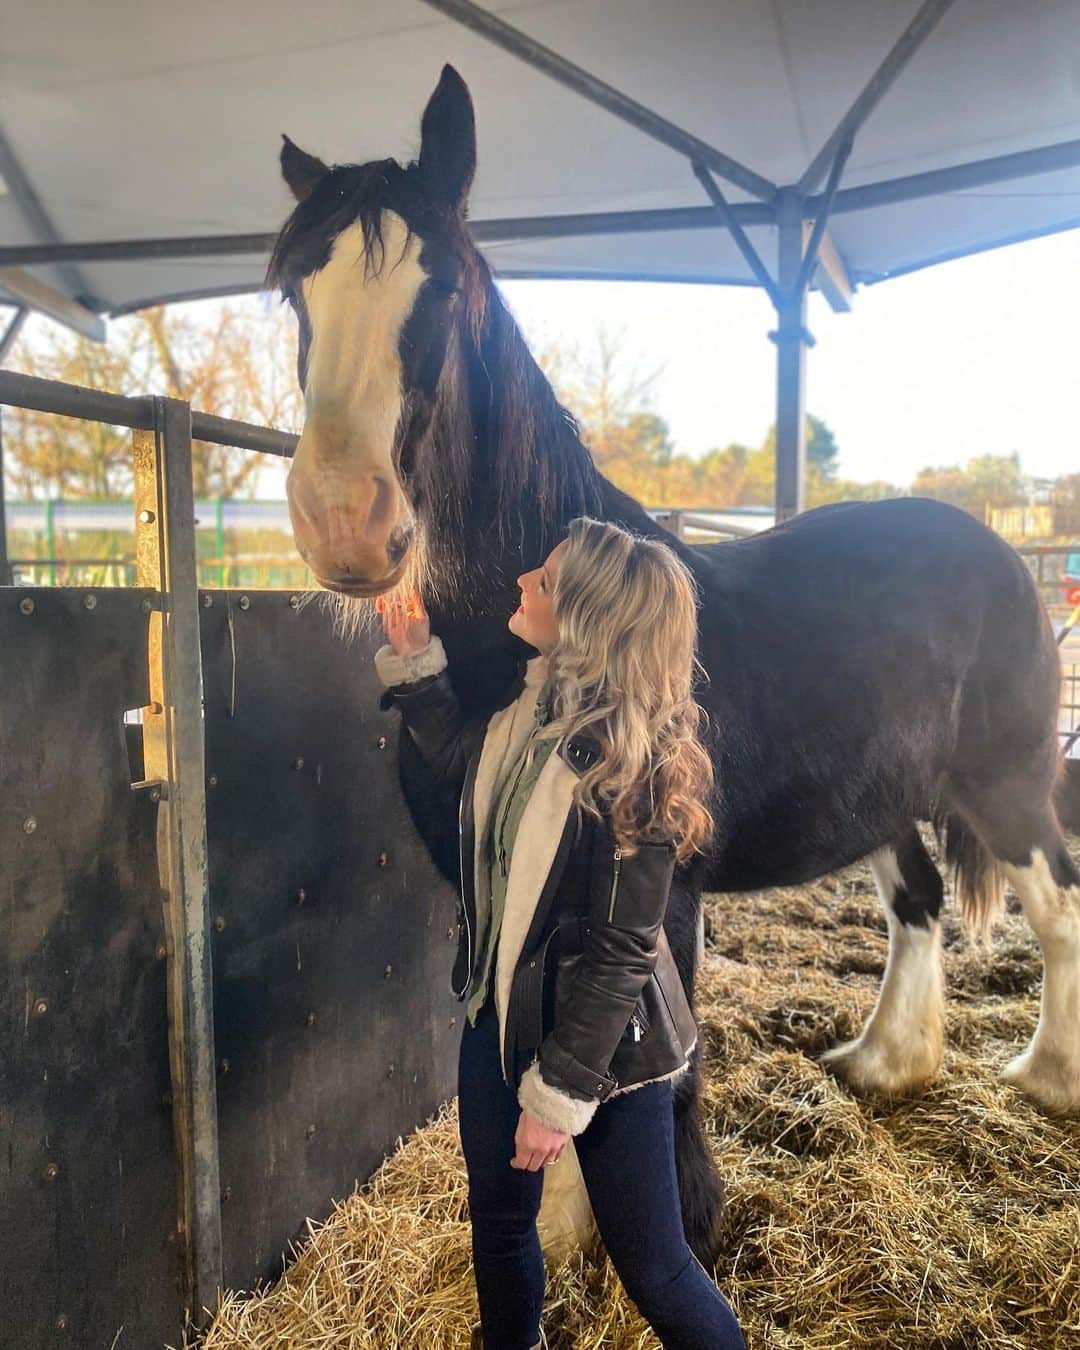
{"x": 398, "y": 545}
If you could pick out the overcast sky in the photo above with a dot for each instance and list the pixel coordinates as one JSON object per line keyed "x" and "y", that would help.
{"x": 974, "y": 356}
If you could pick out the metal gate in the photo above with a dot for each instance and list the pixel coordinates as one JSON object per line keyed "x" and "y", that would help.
{"x": 224, "y": 973}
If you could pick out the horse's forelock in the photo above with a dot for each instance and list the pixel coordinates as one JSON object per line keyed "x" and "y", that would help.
{"x": 350, "y": 194}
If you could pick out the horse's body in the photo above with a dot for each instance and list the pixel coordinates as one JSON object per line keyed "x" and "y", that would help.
{"x": 869, "y": 665}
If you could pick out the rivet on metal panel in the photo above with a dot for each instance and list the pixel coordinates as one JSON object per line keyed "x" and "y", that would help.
{"x": 51, "y": 1172}
{"x": 40, "y": 1008}
{"x": 390, "y": 1071}
{"x": 62, "y": 1322}
{"x": 384, "y": 859}
{"x": 206, "y": 600}
{"x": 146, "y": 517}
{"x": 381, "y": 742}
{"x": 90, "y": 601}
{"x": 161, "y": 951}
{"x": 294, "y": 602}
{"x": 29, "y": 824}
{"x": 155, "y": 794}
{"x": 388, "y": 972}
{"x": 226, "y": 1194}
{"x": 301, "y": 896}
{"x": 223, "y": 1066}
{"x": 146, "y": 605}
{"x": 310, "y": 1131}
{"x": 453, "y": 1022}
{"x": 298, "y": 762}
{"x": 219, "y": 923}
{"x": 26, "y": 605}
{"x": 312, "y": 1018}
{"x": 450, "y": 933}
{"x": 244, "y": 602}
{"x": 213, "y": 780}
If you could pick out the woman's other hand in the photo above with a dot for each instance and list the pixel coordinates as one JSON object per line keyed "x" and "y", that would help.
{"x": 536, "y": 1144}
{"x": 404, "y": 622}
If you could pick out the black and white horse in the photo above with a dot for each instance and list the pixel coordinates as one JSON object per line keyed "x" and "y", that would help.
{"x": 870, "y": 665}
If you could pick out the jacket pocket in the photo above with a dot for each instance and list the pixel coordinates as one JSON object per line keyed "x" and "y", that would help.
{"x": 638, "y": 1026}
{"x": 634, "y": 888}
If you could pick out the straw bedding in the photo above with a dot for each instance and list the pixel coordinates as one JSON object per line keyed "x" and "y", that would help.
{"x": 946, "y": 1220}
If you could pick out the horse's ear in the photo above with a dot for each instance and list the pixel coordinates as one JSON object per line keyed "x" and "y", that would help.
{"x": 300, "y": 170}
{"x": 448, "y": 140}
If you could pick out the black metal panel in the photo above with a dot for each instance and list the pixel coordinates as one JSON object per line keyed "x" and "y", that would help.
{"x": 87, "y": 1188}
{"x": 334, "y": 934}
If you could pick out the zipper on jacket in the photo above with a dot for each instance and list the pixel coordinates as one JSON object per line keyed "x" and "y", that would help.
{"x": 614, "y": 885}
{"x": 464, "y": 905}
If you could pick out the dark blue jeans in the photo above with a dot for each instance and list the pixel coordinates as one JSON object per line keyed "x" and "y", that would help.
{"x": 627, "y": 1156}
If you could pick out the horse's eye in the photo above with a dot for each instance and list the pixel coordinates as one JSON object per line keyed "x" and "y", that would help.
{"x": 443, "y": 287}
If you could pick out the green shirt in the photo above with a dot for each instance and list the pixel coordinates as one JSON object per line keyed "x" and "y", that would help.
{"x": 509, "y": 809}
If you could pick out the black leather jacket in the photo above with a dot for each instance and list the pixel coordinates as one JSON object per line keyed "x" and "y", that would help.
{"x": 596, "y": 995}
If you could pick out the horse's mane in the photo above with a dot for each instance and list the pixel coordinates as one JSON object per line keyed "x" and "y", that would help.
{"x": 541, "y": 466}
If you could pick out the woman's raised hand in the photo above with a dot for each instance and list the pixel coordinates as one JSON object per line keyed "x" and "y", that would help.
{"x": 405, "y": 622}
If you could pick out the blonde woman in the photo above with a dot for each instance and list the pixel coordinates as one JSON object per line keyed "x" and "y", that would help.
{"x": 577, "y": 799}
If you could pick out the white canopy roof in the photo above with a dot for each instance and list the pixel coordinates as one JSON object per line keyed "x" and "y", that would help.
{"x": 139, "y": 119}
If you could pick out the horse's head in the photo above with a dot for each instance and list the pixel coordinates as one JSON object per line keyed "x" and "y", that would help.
{"x": 376, "y": 262}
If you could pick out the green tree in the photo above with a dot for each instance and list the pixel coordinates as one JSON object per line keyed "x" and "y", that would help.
{"x": 821, "y": 448}
{"x": 987, "y": 481}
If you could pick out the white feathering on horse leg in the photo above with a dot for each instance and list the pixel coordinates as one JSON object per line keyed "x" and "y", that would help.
{"x": 565, "y": 1223}
{"x": 1049, "y": 1069}
{"x": 900, "y": 1046}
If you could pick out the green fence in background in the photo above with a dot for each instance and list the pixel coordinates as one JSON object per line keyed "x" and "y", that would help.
{"x": 92, "y": 543}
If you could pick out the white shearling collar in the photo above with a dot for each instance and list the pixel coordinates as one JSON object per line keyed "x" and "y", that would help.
{"x": 537, "y": 671}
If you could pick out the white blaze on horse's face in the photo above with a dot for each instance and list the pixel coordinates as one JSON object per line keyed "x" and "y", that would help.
{"x": 351, "y": 519}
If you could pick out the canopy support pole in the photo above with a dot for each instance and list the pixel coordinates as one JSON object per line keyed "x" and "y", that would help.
{"x": 11, "y": 332}
{"x": 791, "y": 343}
{"x": 29, "y": 292}
{"x": 796, "y": 266}
{"x": 879, "y": 84}
{"x": 535, "y": 54}
{"x": 34, "y": 213}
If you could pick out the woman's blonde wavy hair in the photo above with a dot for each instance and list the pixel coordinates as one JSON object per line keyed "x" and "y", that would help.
{"x": 623, "y": 671}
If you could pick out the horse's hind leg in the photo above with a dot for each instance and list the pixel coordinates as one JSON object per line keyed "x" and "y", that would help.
{"x": 1031, "y": 848}
{"x": 900, "y": 1046}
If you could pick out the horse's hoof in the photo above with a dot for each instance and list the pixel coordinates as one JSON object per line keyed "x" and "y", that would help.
{"x": 1047, "y": 1079}
{"x": 873, "y": 1069}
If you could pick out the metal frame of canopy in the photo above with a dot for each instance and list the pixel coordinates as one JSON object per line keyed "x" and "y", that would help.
{"x": 799, "y": 212}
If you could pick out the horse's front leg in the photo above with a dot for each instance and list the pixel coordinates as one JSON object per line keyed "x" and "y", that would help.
{"x": 900, "y": 1046}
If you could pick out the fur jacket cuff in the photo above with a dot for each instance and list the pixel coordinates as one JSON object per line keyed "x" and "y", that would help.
{"x": 557, "y": 1110}
{"x": 393, "y": 669}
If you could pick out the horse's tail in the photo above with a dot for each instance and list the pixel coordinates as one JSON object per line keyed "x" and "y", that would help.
{"x": 701, "y": 1191}
{"x": 978, "y": 882}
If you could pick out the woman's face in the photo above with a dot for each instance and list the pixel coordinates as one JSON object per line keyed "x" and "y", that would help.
{"x": 534, "y": 620}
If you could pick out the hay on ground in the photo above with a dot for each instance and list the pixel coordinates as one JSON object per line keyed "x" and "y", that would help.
{"x": 943, "y": 1221}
